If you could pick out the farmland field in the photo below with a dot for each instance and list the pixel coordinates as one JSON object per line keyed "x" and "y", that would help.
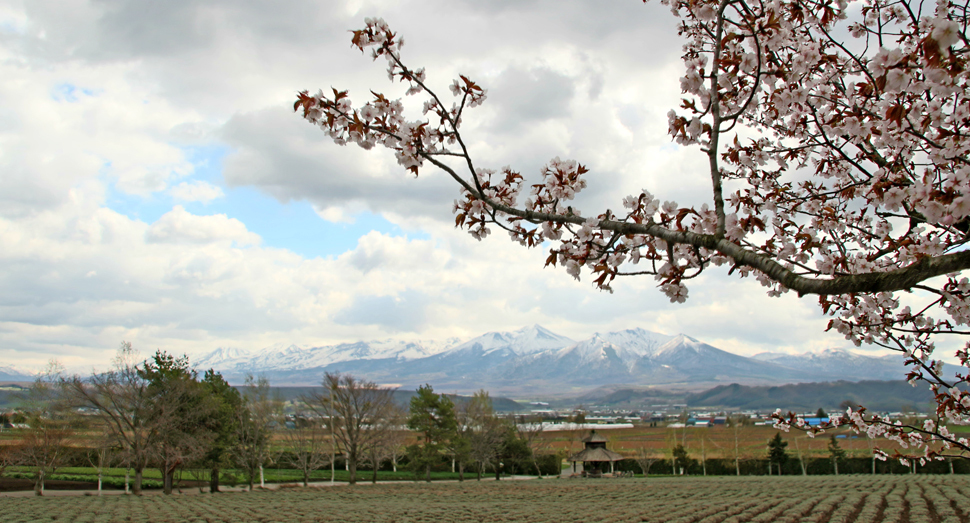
{"x": 903, "y": 499}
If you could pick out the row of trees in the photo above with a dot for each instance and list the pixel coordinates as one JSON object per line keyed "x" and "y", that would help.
{"x": 152, "y": 413}
{"x": 471, "y": 435}
{"x": 160, "y": 413}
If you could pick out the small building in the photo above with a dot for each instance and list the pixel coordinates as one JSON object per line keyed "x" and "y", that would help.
{"x": 595, "y": 456}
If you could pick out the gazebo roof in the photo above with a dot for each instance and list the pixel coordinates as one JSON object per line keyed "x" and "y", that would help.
{"x": 596, "y": 454}
{"x": 595, "y": 438}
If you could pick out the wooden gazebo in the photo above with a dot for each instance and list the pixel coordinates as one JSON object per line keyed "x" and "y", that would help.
{"x": 596, "y": 454}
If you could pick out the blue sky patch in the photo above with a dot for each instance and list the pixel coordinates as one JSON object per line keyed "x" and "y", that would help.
{"x": 294, "y": 225}
{"x": 65, "y": 92}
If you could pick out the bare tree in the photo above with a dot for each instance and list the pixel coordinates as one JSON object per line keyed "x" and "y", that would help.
{"x": 308, "y": 446}
{"x": 356, "y": 409}
{"x": 737, "y": 422}
{"x": 389, "y": 438}
{"x": 485, "y": 431}
{"x": 102, "y": 453}
{"x": 260, "y": 413}
{"x": 121, "y": 401}
{"x": 798, "y": 454}
{"x": 530, "y": 431}
{"x": 645, "y": 459}
{"x": 6, "y": 457}
{"x": 50, "y": 426}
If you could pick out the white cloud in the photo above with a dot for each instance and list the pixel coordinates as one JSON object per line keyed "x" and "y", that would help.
{"x": 196, "y": 191}
{"x": 77, "y": 275}
{"x": 180, "y": 226}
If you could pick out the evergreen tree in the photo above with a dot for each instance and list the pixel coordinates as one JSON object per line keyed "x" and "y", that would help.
{"x": 777, "y": 455}
{"x": 434, "y": 416}
{"x": 682, "y": 460}
{"x": 181, "y": 413}
{"x": 224, "y": 424}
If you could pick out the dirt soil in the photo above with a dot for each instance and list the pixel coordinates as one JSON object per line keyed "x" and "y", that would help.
{"x": 15, "y": 485}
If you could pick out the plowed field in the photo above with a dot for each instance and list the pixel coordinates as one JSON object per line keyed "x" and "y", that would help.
{"x": 903, "y": 499}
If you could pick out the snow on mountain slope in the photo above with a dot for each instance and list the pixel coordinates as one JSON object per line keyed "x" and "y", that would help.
{"x": 13, "y": 373}
{"x": 643, "y": 342}
{"x": 221, "y": 358}
{"x": 536, "y": 357}
{"x": 283, "y": 356}
{"x": 527, "y": 340}
{"x": 696, "y": 358}
{"x": 839, "y": 364}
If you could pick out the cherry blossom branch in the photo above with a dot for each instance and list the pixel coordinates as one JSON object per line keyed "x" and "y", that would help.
{"x": 852, "y": 182}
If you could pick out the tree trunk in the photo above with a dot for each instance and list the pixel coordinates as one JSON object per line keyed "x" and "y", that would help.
{"x": 461, "y": 472}
{"x": 835, "y": 465}
{"x": 262, "y": 478}
{"x": 737, "y": 466}
{"x": 352, "y": 468}
{"x": 214, "y": 480}
{"x": 498, "y": 472}
{"x": 100, "y": 473}
{"x": 703, "y": 455}
{"x": 136, "y": 487}
{"x": 479, "y": 470}
{"x": 167, "y": 474}
{"x": 39, "y": 483}
{"x": 374, "y": 477}
{"x": 306, "y": 477}
{"x": 800, "y": 460}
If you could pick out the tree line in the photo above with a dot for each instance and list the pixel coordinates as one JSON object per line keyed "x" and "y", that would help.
{"x": 160, "y": 413}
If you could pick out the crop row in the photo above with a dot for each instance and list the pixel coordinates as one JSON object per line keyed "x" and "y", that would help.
{"x": 844, "y": 499}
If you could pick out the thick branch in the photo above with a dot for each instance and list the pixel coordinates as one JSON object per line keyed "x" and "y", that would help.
{"x": 898, "y": 279}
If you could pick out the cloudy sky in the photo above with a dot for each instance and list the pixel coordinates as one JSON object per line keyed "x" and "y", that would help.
{"x": 156, "y": 186}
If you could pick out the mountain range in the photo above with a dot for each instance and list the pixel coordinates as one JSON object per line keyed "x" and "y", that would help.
{"x": 9, "y": 373}
{"x": 534, "y": 360}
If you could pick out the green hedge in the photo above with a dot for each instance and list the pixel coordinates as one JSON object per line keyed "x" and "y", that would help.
{"x": 813, "y": 466}
{"x": 106, "y": 481}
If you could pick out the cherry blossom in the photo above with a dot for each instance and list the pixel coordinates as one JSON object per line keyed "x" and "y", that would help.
{"x": 838, "y": 166}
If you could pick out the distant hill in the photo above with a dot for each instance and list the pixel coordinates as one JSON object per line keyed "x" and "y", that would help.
{"x": 875, "y": 395}
{"x": 401, "y": 397}
{"x": 12, "y": 395}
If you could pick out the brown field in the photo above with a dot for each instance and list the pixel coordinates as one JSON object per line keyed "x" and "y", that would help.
{"x": 846, "y": 499}
{"x": 716, "y": 442}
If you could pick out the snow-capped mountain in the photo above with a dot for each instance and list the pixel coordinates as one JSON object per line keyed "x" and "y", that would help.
{"x": 11, "y": 373}
{"x": 839, "y": 364}
{"x": 538, "y": 360}
{"x": 527, "y": 340}
{"x": 222, "y": 358}
{"x": 643, "y": 341}
{"x": 291, "y": 357}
